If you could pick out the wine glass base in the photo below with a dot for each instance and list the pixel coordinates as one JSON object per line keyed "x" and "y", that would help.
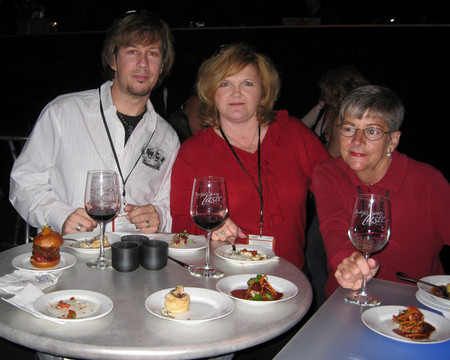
{"x": 99, "y": 264}
{"x": 362, "y": 300}
{"x": 206, "y": 273}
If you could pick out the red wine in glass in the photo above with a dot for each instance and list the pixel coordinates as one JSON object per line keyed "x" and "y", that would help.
{"x": 102, "y": 214}
{"x": 208, "y": 222}
{"x": 102, "y": 203}
{"x": 209, "y": 210}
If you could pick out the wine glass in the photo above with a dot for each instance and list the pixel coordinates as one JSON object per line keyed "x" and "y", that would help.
{"x": 102, "y": 203}
{"x": 369, "y": 231}
{"x": 209, "y": 210}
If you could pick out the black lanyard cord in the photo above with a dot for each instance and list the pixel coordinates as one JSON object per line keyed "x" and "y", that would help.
{"x": 258, "y": 188}
{"x": 124, "y": 180}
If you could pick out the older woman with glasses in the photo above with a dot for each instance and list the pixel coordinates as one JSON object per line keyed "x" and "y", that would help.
{"x": 369, "y": 122}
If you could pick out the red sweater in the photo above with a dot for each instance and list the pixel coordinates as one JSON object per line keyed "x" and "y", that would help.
{"x": 289, "y": 152}
{"x": 420, "y": 214}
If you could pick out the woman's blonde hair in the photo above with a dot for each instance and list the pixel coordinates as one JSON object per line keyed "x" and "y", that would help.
{"x": 229, "y": 61}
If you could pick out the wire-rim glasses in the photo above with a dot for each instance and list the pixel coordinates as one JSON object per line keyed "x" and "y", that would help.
{"x": 370, "y": 133}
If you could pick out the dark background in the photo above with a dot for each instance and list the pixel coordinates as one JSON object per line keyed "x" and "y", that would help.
{"x": 53, "y": 47}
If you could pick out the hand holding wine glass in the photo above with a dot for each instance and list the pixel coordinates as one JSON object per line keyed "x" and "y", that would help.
{"x": 209, "y": 210}
{"x": 369, "y": 231}
{"x": 102, "y": 203}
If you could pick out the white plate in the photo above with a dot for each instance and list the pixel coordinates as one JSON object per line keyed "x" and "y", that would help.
{"x": 82, "y": 236}
{"x": 206, "y": 305}
{"x": 195, "y": 242}
{"x": 235, "y": 282}
{"x": 379, "y": 319}
{"x": 22, "y": 262}
{"x": 427, "y": 300}
{"x": 224, "y": 252}
{"x": 436, "y": 280}
{"x": 97, "y": 305}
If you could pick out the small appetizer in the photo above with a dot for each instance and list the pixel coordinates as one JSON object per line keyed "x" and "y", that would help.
{"x": 250, "y": 255}
{"x": 93, "y": 243}
{"x": 179, "y": 239}
{"x": 177, "y": 301}
{"x": 410, "y": 324}
{"x": 258, "y": 289}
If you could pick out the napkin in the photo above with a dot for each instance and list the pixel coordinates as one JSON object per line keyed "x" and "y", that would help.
{"x": 18, "y": 280}
{"x": 24, "y": 300}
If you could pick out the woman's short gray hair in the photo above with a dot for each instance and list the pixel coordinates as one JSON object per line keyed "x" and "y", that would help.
{"x": 374, "y": 102}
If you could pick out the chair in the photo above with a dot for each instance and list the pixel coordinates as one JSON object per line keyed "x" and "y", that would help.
{"x": 15, "y": 144}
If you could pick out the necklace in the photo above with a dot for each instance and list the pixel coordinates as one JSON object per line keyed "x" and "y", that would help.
{"x": 248, "y": 149}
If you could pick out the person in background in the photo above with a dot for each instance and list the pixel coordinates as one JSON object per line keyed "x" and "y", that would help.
{"x": 334, "y": 85}
{"x": 369, "y": 125}
{"x": 266, "y": 156}
{"x": 113, "y": 127}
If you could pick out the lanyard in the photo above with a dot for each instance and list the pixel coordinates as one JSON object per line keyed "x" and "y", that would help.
{"x": 258, "y": 188}
{"x": 124, "y": 180}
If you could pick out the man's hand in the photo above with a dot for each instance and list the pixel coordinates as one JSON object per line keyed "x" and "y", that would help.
{"x": 351, "y": 270}
{"x": 78, "y": 221}
{"x": 144, "y": 217}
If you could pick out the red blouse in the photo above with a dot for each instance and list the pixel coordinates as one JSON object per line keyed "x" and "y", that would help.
{"x": 289, "y": 152}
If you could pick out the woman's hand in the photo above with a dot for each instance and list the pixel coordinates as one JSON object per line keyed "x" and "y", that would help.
{"x": 145, "y": 217}
{"x": 228, "y": 231}
{"x": 350, "y": 271}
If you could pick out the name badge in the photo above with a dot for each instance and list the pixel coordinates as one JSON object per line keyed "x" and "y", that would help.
{"x": 263, "y": 241}
{"x": 121, "y": 224}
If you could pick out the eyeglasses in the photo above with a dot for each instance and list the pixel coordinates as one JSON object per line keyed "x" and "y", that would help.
{"x": 371, "y": 133}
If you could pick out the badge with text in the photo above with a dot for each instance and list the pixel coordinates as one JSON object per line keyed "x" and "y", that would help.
{"x": 264, "y": 241}
{"x": 121, "y": 224}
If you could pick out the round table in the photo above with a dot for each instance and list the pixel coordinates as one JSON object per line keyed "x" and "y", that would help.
{"x": 130, "y": 331}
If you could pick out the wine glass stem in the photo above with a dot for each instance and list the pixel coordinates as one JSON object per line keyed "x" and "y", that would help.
{"x": 363, "y": 290}
{"x": 208, "y": 250}
{"x": 102, "y": 235}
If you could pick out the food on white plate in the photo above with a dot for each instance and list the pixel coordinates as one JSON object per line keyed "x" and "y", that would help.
{"x": 247, "y": 255}
{"x": 45, "y": 253}
{"x": 438, "y": 293}
{"x": 258, "y": 289}
{"x": 177, "y": 301}
{"x": 410, "y": 323}
{"x": 71, "y": 308}
{"x": 180, "y": 239}
{"x": 93, "y": 243}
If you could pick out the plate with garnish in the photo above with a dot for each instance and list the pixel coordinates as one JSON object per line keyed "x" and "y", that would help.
{"x": 245, "y": 255}
{"x": 257, "y": 289}
{"x": 88, "y": 243}
{"x": 181, "y": 242}
{"x": 204, "y": 305}
{"x": 407, "y": 324}
{"x": 73, "y": 305}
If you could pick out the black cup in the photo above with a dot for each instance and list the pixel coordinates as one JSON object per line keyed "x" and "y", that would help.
{"x": 136, "y": 238}
{"x": 153, "y": 254}
{"x": 125, "y": 255}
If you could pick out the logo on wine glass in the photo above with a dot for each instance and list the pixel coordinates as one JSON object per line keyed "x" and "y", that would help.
{"x": 371, "y": 218}
{"x": 210, "y": 198}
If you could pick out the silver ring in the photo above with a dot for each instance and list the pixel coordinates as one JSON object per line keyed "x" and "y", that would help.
{"x": 148, "y": 223}
{"x": 79, "y": 227}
